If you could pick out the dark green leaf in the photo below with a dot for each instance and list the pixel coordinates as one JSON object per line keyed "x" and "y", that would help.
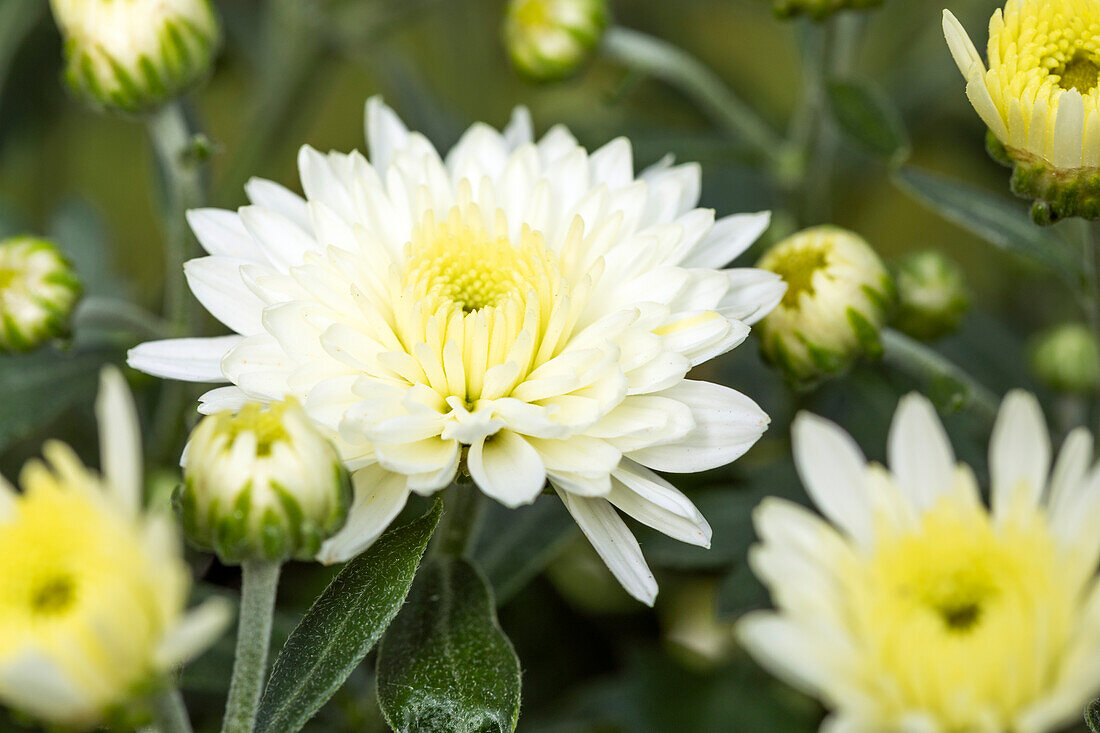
{"x": 867, "y": 117}
{"x": 445, "y": 665}
{"x": 516, "y": 544}
{"x": 1000, "y": 221}
{"x": 1092, "y": 716}
{"x": 343, "y": 625}
{"x": 38, "y": 387}
{"x": 740, "y": 592}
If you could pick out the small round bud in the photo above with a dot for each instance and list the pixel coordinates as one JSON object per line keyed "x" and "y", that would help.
{"x": 932, "y": 295}
{"x": 550, "y": 39}
{"x": 1066, "y": 358}
{"x": 261, "y": 484}
{"x": 131, "y": 55}
{"x": 693, "y": 633}
{"x": 820, "y": 9}
{"x": 839, "y": 295}
{"x": 38, "y": 289}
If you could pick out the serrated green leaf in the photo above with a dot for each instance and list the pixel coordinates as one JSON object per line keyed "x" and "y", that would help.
{"x": 343, "y": 625}
{"x": 445, "y": 665}
{"x": 1092, "y": 716}
{"x": 516, "y": 544}
{"x": 998, "y": 220}
{"x": 868, "y": 118}
{"x": 38, "y": 387}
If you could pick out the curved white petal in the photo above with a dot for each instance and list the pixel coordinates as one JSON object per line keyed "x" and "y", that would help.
{"x": 919, "y": 451}
{"x": 274, "y": 197}
{"x": 614, "y": 543}
{"x": 217, "y": 283}
{"x": 507, "y": 468}
{"x": 1019, "y": 454}
{"x": 730, "y": 237}
{"x": 222, "y": 234}
{"x": 189, "y": 360}
{"x": 119, "y": 440}
{"x": 194, "y": 634}
{"x": 651, "y": 500}
{"x": 380, "y": 495}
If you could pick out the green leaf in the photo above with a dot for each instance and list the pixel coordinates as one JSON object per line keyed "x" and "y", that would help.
{"x": 343, "y": 625}
{"x": 998, "y": 220}
{"x": 445, "y": 665}
{"x": 868, "y": 117}
{"x": 1092, "y": 716}
{"x": 516, "y": 544}
{"x": 38, "y": 387}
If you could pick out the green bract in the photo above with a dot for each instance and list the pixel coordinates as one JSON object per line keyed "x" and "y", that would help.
{"x": 839, "y": 295}
{"x": 932, "y": 295}
{"x": 131, "y": 55}
{"x": 38, "y": 290}
{"x": 1056, "y": 193}
{"x": 1066, "y": 358}
{"x": 550, "y": 39}
{"x": 261, "y": 484}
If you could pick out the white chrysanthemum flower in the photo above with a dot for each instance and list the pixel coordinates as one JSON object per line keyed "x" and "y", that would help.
{"x": 92, "y": 590}
{"x": 526, "y": 308}
{"x": 917, "y": 609}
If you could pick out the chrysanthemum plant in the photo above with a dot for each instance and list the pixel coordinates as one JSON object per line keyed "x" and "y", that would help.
{"x": 435, "y": 374}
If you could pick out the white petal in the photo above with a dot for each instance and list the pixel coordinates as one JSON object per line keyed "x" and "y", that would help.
{"x": 962, "y": 48}
{"x": 217, "y": 283}
{"x": 919, "y": 451}
{"x": 221, "y": 399}
{"x": 1019, "y": 454}
{"x": 752, "y": 294}
{"x": 1069, "y": 130}
{"x": 730, "y": 237}
{"x": 655, "y": 502}
{"x": 614, "y": 543}
{"x": 43, "y": 689}
{"x": 189, "y": 360}
{"x": 194, "y": 634}
{"x": 519, "y": 131}
{"x": 380, "y": 495}
{"x": 727, "y": 423}
{"x": 831, "y": 467}
{"x": 1068, "y": 479}
{"x": 783, "y": 648}
{"x": 119, "y": 440}
{"x": 221, "y": 233}
{"x": 507, "y": 468}
{"x": 386, "y": 133}
{"x": 280, "y": 199}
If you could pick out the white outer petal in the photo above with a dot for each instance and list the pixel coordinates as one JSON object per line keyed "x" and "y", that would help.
{"x": 507, "y": 468}
{"x": 832, "y": 469}
{"x": 1019, "y": 454}
{"x": 119, "y": 440}
{"x": 919, "y": 451}
{"x": 730, "y": 237}
{"x": 194, "y": 634}
{"x": 189, "y": 360}
{"x": 380, "y": 495}
{"x": 217, "y": 283}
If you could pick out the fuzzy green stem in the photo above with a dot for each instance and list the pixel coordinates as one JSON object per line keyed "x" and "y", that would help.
{"x": 170, "y": 712}
{"x": 674, "y": 66}
{"x": 259, "y": 585}
{"x": 456, "y": 534}
{"x": 925, "y": 364}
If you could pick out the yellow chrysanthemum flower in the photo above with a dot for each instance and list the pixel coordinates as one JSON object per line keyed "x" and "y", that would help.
{"x": 92, "y": 591}
{"x": 918, "y": 609}
{"x": 1040, "y": 98}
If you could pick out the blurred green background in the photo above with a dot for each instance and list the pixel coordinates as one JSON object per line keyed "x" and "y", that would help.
{"x": 299, "y": 72}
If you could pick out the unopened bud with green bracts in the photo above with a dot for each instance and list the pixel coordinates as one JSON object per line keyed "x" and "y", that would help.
{"x": 820, "y": 9}
{"x": 38, "y": 290}
{"x": 1066, "y": 358}
{"x": 932, "y": 295}
{"x": 839, "y": 296}
{"x": 549, "y": 40}
{"x": 261, "y": 484}
{"x": 132, "y": 55}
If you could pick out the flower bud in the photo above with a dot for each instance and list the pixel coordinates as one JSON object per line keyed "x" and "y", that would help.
{"x": 38, "y": 290}
{"x": 1066, "y": 358}
{"x": 550, "y": 39}
{"x": 838, "y": 297}
{"x": 820, "y": 9}
{"x": 932, "y": 295}
{"x": 131, "y": 55}
{"x": 261, "y": 484}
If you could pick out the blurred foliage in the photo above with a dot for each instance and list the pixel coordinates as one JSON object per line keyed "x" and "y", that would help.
{"x": 298, "y": 71}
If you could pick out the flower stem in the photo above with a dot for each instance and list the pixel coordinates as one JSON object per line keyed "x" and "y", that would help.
{"x": 943, "y": 376}
{"x": 463, "y": 505}
{"x": 1090, "y": 298}
{"x": 260, "y": 582}
{"x": 674, "y": 66}
{"x": 170, "y": 713}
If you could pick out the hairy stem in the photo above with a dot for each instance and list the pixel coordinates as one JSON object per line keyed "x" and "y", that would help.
{"x": 259, "y": 584}
{"x": 463, "y": 505}
{"x": 170, "y": 713}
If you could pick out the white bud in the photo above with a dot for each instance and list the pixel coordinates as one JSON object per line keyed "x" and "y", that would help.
{"x": 38, "y": 290}
{"x": 551, "y": 39}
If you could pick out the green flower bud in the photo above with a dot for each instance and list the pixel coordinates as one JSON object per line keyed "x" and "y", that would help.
{"x": 932, "y": 295}
{"x": 550, "y": 39}
{"x": 692, "y": 631}
{"x": 38, "y": 289}
{"x": 261, "y": 484}
{"x": 839, "y": 295}
{"x": 131, "y": 55}
{"x": 1066, "y": 358}
{"x": 820, "y": 9}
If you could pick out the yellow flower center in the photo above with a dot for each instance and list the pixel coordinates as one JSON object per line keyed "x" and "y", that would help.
{"x": 1080, "y": 73}
{"x": 797, "y": 265}
{"x": 266, "y": 423}
{"x": 948, "y": 608}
